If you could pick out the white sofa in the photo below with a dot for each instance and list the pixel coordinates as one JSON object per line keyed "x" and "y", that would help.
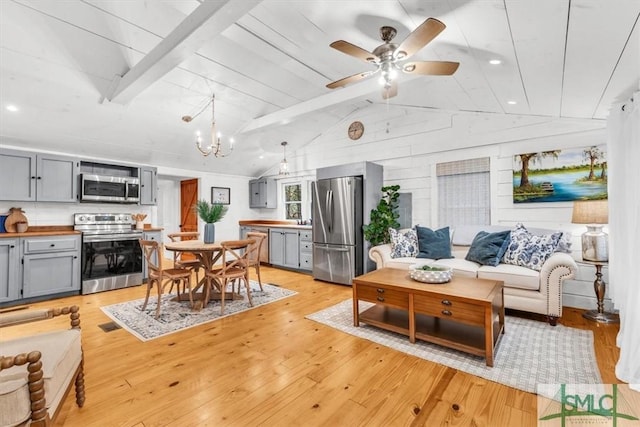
{"x": 524, "y": 289}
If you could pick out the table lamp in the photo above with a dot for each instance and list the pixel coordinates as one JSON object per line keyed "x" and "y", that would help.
{"x": 594, "y": 213}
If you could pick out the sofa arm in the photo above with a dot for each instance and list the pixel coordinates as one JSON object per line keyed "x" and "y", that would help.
{"x": 558, "y": 268}
{"x": 53, "y": 363}
{"x": 380, "y": 255}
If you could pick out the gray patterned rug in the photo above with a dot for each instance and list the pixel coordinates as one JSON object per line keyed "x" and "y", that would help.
{"x": 528, "y": 354}
{"x": 176, "y": 316}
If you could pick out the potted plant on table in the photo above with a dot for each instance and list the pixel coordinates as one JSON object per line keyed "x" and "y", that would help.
{"x": 210, "y": 213}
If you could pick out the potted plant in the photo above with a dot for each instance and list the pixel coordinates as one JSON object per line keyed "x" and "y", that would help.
{"x": 210, "y": 213}
{"x": 383, "y": 217}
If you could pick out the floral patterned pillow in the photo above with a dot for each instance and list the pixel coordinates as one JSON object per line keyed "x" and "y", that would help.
{"x": 403, "y": 244}
{"x": 528, "y": 250}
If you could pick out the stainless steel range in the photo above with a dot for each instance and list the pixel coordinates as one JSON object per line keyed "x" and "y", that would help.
{"x": 111, "y": 254}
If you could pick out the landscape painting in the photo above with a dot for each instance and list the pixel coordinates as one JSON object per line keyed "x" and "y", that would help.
{"x": 560, "y": 175}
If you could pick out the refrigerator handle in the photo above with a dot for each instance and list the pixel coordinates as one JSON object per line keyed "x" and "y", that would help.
{"x": 332, "y": 249}
{"x": 329, "y": 207}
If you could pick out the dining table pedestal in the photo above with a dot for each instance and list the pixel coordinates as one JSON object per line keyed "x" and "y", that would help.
{"x": 208, "y": 254}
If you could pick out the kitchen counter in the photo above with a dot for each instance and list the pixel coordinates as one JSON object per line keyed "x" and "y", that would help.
{"x": 269, "y": 223}
{"x": 46, "y": 230}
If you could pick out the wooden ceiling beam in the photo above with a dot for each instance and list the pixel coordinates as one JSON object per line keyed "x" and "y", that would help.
{"x": 205, "y": 23}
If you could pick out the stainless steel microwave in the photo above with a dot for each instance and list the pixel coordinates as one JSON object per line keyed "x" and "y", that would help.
{"x": 104, "y": 188}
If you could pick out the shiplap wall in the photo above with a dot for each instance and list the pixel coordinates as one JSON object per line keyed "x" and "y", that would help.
{"x": 408, "y": 142}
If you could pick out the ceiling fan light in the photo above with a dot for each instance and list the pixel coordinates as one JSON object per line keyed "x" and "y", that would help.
{"x": 409, "y": 68}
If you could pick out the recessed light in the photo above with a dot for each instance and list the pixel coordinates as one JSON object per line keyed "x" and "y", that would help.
{"x": 511, "y": 102}
{"x": 261, "y": 157}
{"x": 495, "y": 62}
{"x": 12, "y": 108}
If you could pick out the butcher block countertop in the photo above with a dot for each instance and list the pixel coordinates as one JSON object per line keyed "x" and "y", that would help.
{"x": 42, "y": 230}
{"x": 272, "y": 223}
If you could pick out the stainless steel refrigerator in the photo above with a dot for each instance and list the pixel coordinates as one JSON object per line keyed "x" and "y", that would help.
{"x": 337, "y": 229}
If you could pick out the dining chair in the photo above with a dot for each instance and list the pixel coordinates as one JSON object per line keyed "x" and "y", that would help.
{"x": 253, "y": 256}
{"x": 161, "y": 277}
{"x": 178, "y": 257}
{"x": 233, "y": 266}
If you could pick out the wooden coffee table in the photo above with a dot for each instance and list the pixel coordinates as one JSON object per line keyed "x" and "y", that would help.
{"x": 465, "y": 314}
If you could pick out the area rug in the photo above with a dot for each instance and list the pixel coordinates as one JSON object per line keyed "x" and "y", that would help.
{"x": 176, "y": 316}
{"x": 528, "y": 354}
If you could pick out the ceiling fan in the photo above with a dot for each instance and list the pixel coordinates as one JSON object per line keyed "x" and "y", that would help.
{"x": 388, "y": 57}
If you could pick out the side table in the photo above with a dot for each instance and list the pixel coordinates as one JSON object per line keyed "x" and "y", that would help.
{"x": 599, "y": 287}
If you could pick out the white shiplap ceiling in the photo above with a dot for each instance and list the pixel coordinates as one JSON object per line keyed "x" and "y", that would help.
{"x": 268, "y": 63}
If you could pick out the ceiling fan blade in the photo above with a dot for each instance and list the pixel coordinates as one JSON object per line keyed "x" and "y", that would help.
{"x": 391, "y": 91}
{"x": 431, "y": 68}
{"x": 350, "y": 79}
{"x": 353, "y": 50}
{"x": 419, "y": 38}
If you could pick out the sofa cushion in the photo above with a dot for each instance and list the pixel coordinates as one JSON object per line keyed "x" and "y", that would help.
{"x": 513, "y": 276}
{"x": 403, "y": 244}
{"x": 405, "y": 262}
{"x": 433, "y": 244}
{"x": 461, "y": 267}
{"x": 488, "y": 248}
{"x": 528, "y": 250}
{"x": 61, "y": 356}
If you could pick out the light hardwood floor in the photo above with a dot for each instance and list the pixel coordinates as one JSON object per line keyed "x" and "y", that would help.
{"x": 271, "y": 366}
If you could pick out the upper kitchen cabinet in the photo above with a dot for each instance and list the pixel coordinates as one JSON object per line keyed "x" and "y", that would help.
{"x": 148, "y": 185}
{"x": 27, "y": 176}
{"x": 262, "y": 193}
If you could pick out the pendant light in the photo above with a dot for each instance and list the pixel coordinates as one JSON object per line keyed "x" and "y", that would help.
{"x": 284, "y": 165}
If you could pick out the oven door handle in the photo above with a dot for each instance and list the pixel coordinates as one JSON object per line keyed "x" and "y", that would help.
{"x": 111, "y": 237}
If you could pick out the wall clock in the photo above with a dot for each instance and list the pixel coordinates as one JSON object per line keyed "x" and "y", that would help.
{"x": 356, "y": 129}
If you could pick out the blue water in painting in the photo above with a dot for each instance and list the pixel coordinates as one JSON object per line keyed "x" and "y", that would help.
{"x": 565, "y": 187}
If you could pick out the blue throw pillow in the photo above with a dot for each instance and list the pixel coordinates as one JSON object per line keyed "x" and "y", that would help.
{"x": 488, "y": 248}
{"x": 433, "y": 244}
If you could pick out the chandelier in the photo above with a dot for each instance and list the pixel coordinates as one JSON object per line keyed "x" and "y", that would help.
{"x": 284, "y": 165}
{"x": 215, "y": 147}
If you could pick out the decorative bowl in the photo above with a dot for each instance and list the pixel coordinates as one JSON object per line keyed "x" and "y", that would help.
{"x": 430, "y": 273}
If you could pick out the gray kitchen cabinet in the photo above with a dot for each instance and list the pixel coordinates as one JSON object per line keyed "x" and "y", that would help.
{"x": 262, "y": 193}
{"x": 306, "y": 250}
{"x": 10, "y": 283}
{"x": 150, "y": 235}
{"x": 51, "y": 265}
{"x": 148, "y": 185}
{"x": 284, "y": 247}
{"x": 28, "y": 176}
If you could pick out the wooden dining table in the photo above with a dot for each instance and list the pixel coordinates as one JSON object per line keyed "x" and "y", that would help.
{"x": 208, "y": 254}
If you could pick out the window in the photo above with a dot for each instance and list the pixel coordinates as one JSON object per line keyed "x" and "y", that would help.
{"x": 293, "y": 201}
{"x": 464, "y": 193}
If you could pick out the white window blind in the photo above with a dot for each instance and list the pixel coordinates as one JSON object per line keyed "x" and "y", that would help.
{"x": 464, "y": 193}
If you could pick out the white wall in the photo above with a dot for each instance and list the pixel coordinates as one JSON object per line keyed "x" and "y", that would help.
{"x": 408, "y": 142}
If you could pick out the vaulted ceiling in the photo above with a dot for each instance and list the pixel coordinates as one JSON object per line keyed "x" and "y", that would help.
{"x": 112, "y": 79}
